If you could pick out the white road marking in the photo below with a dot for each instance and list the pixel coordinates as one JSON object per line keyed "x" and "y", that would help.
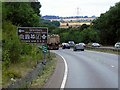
{"x": 65, "y": 73}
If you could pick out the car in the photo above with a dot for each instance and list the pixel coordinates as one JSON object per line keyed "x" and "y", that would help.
{"x": 71, "y": 43}
{"x": 82, "y": 44}
{"x": 65, "y": 46}
{"x": 117, "y": 45}
{"x": 78, "y": 47}
{"x": 95, "y": 45}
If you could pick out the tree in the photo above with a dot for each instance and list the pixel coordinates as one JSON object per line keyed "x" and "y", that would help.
{"x": 108, "y": 25}
{"x": 89, "y": 35}
{"x": 36, "y": 6}
{"x": 84, "y": 26}
{"x": 55, "y": 23}
{"x": 16, "y": 14}
{"x": 21, "y": 14}
{"x": 67, "y": 24}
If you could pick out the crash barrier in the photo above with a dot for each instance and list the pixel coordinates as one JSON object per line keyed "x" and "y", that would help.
{"x": 116, "y": 50}
{"x": 25, "y": 81}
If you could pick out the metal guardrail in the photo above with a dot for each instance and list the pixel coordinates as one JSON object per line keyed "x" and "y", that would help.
{"x": 104, "y": 49}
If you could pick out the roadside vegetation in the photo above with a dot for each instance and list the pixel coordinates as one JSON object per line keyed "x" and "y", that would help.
{"x": 47, "y": 72}
{"x": 19, "y": 58}
{"x": 17, "y": 55}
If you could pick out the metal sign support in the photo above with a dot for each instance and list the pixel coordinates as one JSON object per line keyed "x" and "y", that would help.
{"x": 44, "y": 59}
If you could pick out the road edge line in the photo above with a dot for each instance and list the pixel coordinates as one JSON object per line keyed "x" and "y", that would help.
{"x": 65, "y": 73}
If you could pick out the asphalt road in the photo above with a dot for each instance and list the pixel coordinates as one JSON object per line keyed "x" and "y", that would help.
{"x": 56, "y": 79}
{"x": 90, "y": 69}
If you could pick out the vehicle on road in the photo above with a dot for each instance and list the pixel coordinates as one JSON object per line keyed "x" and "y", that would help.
{"x": 95, "y": 45}
{"x": 53, "y": 42}
{"x": 78, "y": 47}
{"x": 65, "y": 46}
{"x": 117, "y": 45}
{"x": 82, "y": 44}
{"x": 71, "y": 43}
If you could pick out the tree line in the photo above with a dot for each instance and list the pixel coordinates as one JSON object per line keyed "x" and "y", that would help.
{"x": 18, "y": 14}
{"x": 104, "y": 29}
{"x": 108, "y": 25}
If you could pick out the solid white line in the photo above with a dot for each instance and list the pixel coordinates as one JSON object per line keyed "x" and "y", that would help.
{"x": 65, "y": 73}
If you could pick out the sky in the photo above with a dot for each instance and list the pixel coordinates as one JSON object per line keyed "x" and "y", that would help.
{"x": 65, "y": 8}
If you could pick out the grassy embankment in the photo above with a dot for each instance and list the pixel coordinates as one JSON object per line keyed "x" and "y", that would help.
{"x": 18, "y": 58}
{"x": 48, "y": 70}
{"x": 17, "y": 70}
{"x": 20, "y": 69}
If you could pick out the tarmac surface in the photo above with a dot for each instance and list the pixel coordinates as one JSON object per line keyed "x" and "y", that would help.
{"x": 56, "y": 79}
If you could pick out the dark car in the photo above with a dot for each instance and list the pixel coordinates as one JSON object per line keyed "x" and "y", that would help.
{"x": 65, "y": 46}
{"x": 78, "y": 47}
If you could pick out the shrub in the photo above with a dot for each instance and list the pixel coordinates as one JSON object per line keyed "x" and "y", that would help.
{"x": 13, "y": 74}
{"x": 10, "y": 43}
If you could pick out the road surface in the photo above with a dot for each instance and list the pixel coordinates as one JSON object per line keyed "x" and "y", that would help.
{"x": 90, "y": 69}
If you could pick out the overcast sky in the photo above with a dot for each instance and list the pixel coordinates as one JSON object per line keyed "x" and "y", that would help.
{"x": 75, "y": 7}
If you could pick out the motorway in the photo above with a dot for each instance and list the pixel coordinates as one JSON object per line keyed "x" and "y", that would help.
{"x": 90, "y": 69}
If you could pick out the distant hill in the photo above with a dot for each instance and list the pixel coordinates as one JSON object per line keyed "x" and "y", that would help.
{"x": 57, "y": 17}
{"x": 50, "y": 17}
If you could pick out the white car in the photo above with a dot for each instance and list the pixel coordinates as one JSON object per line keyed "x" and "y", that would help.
{"x": 82, "y": 44}
{"x": 117, "y": 45}
{"x": 71, "y": 43}
{"x": 65, "y": 46}
{"x": 95, "y": 45}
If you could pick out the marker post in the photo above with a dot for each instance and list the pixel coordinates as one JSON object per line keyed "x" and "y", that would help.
{"x": 44, "y": 50}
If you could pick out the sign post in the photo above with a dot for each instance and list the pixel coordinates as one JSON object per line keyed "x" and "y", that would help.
{"x": 34, "y": 35}
{"x": 44, "y": 50}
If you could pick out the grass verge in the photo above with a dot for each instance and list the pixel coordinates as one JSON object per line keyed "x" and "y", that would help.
{"x": 102, "y": 50}
{"x": 47, "y": 72}
{"x": 17, "y": 70}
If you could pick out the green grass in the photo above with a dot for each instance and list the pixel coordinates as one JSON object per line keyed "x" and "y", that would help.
{"x": 17, "y": 70}
{"x": 0, "y": 53}
{"x": 0, "y": 35}
{"x": 26, "y": 65}
{"x": 47, "y": 72}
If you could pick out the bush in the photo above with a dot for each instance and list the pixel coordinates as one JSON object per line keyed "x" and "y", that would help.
{"x": 6, "y": 58}
{"x": 11, "y": 43}
{"x": 13, "y": 74}
{"x": 26, "y": 49}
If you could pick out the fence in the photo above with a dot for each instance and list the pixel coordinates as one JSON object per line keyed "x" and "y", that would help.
{"x": 115, "y": 50}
